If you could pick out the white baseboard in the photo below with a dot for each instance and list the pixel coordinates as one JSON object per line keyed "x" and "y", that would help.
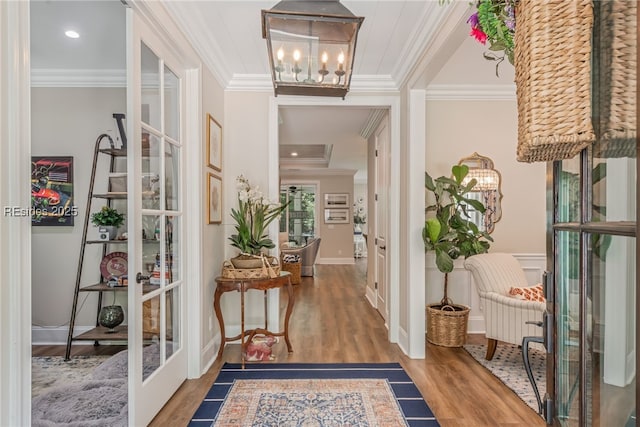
{"x": 403, "y": 341}
{"x": 342, "y": 261}
{"x": 56, "y": 335}
{"x": 370, "y": 295}
{"x": 476, "y": 325}
{"x": 209, "y": 353}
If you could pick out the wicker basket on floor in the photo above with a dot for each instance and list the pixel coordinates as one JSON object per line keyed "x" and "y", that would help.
{"x": 447, "y": 328}
{"x": 295, "y": 268}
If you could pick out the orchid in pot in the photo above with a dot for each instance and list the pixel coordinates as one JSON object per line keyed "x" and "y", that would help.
{"x": 252, "y": 217}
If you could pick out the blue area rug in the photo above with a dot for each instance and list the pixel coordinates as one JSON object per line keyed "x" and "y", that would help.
{"x": 294, "y": 394}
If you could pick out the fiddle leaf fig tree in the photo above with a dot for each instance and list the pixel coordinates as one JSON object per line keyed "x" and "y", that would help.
{"x": 448, "y": 230}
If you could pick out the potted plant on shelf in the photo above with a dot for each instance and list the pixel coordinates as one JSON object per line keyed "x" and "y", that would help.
{"x": 451, "y": 234}
{"x": 253, "y": 216}
{"x": 108, "y": 219}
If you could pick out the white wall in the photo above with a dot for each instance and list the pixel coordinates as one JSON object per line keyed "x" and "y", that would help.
{"x": 66, "y": 122}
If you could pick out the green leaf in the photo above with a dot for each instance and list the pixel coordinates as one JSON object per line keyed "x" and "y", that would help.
{"x": 444, "y": 261}
{"x": 433, "y": 227}
{"x": 497, "y": 46}
{"x": 428, "y": 182}
{"x": 459, "y": 172}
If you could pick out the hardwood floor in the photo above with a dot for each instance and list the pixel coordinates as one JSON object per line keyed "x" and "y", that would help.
{"x": 333, "y": 322}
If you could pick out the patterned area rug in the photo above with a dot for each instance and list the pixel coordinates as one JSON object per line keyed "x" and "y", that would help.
{"x": 52, "y": 371}
{"x": 507, "y": 365}
{"x": 319, "y": 395}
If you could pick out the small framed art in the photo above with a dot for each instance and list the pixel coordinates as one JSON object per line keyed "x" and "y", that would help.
{"x": 214, "y": 199}
{"x": 214, "y": 143}
{"x": 336, "y": 216}
{"x": 336, "y": 200}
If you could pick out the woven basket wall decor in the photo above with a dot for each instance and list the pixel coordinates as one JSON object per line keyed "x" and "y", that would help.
{"x": 553, "y": 78}
{"x": 614, "y": 78}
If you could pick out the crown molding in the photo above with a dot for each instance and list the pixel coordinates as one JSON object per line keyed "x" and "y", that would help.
{"x": 49, "y": 77}
{"x": 427, "y": 29}
{"x": 204, "y": 45}
{"x": 476, "y": 92}
{"x": 359, "y": 83}
{"x": 250, "y": 82}
{"x": 287, "y": 173}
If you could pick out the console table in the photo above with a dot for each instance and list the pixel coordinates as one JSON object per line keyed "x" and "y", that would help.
{"x": 243, "y": 285}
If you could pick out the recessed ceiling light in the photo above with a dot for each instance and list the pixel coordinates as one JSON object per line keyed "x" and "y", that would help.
{"x": 72, "y": 34}
{"x": 294, "y": 154}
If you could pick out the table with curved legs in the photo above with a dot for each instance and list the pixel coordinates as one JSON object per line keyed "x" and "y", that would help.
{"x": 243, "y": 285}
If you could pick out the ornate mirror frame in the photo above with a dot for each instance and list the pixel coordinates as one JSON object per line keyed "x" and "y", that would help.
{"x": 488, "y": 189}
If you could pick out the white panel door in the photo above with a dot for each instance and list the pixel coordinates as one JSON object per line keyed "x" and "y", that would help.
{"x": 155, "y": 123}
{"x": 382, "y": 179}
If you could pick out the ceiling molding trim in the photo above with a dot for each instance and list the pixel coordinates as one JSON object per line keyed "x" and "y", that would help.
{"x": 50, "y": 77}
{"x": 463, "y": 92}
{"x": 359, "y": 83}
{"x": 203, "y": 44}
{"x": 373, "y": 83}
{"x": 284, "y": 172}
{"x": 250, "y": 82}
{"x": 426, "y": 30}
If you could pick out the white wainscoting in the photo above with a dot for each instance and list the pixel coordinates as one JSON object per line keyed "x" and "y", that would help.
{"x": 462, "y": 289}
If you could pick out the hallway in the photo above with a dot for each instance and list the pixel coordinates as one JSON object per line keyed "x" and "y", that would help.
{"x": 333, "y": 322}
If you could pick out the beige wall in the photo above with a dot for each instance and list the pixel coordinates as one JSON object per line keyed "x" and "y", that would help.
{"x": 213, "y": 238}
{"x": 66, "y": 122}
{"x": 455, "y": 129}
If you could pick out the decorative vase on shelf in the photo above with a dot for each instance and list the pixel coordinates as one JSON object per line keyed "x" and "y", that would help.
{"x": 111, "y": 316}
{"x": 112, "y": 230}
{"x": 357, "y": 229}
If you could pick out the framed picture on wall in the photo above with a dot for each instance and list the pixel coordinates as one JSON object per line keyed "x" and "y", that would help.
{"x": 214, "y": 199}
{"x": 336, "y": 200}
{"x": 336, "y": 216}
{"x": 52, "y": 191}
{"x": 214, "y": 143}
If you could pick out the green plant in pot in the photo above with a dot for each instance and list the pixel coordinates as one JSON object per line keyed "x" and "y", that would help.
{"x": 450, "y": 233}
{"x": 253, "y": 216}
{"x": 109, "y": 219}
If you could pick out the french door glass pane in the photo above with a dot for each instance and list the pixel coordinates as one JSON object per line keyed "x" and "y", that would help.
{"x": 150, "y": 171}
{"x": 568, "y": 328}
{"x": 172, "y": 233}
{"x": 171, "y": 176}
{"x": 173, "y": 321}
{"x": 568, "y": 209}
{"x": 614, "y": 189}
{"x": 150, "y": 328}
{"x": 611, "y": 328}
{"x": 171, "y": 104}
{"x": 150, "y": 68}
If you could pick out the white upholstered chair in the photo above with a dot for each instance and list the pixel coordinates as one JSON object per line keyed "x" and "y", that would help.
{"x": 505, "y": 317}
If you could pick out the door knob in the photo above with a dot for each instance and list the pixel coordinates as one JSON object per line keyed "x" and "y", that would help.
{"x": 140, "y": 278}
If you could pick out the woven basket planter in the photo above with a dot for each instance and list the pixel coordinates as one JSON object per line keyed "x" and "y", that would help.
{"x": 553, "y": 78}
{"x": 447, "y": 328}
{"x": 295, "y": 269}
{"x": 614, "y": 79}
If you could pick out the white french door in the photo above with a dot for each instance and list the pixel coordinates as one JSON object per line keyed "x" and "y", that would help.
{"x": 155, "y": 124}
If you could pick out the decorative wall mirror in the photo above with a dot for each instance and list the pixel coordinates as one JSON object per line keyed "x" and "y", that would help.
{"x": 487, "y": 190}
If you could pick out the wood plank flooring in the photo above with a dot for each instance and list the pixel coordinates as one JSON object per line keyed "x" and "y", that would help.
{"x": 333, "y": 322}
